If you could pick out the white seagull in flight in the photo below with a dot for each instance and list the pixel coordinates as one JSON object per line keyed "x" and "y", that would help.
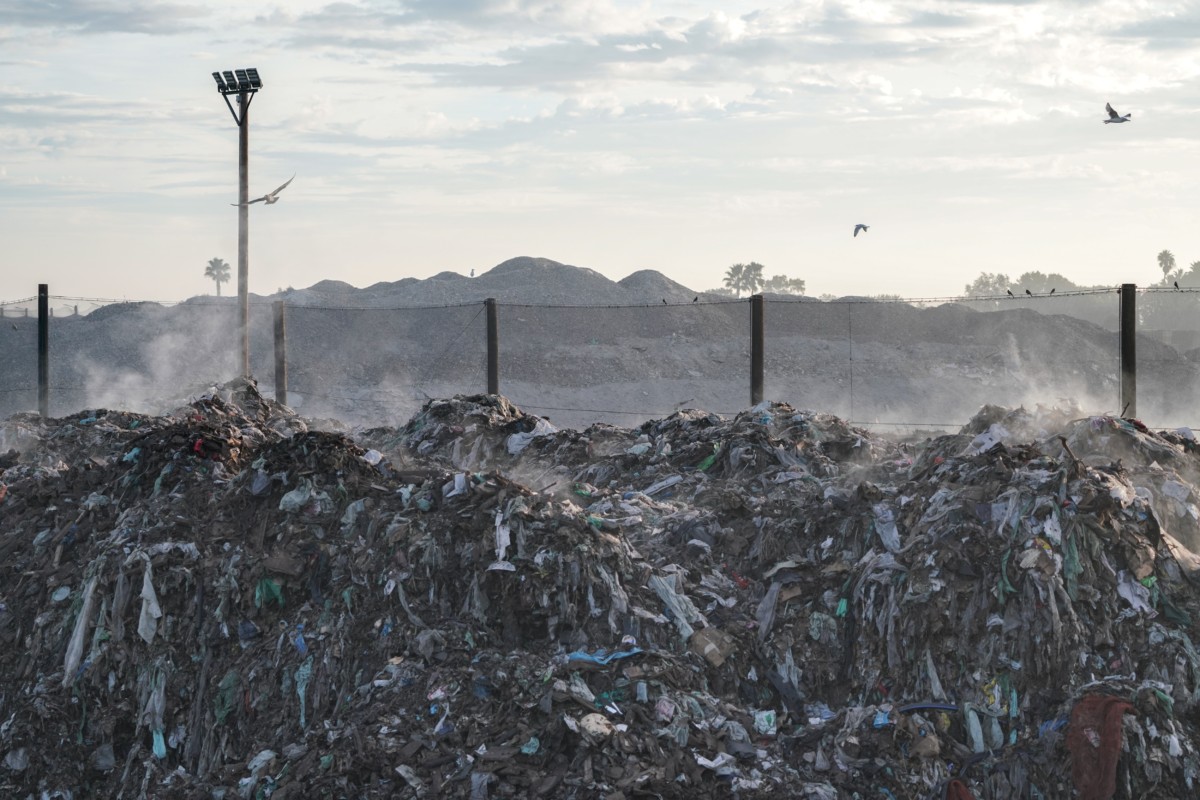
{"x": 860, "y": 227}
{"x": 270, "y": 197}
{"x": 1113, "y": 116}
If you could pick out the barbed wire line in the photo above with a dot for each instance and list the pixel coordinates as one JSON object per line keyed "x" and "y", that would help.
{"x": 306, "y": 306}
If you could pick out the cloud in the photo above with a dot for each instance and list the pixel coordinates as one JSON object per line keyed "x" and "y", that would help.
{"x": 1166, "y": 32}
{"x": 136, "y": 16}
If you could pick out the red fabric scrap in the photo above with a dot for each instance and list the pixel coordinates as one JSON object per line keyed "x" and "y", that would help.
{"x": 957, "y": 790}
{"x": 1094, "y": 739}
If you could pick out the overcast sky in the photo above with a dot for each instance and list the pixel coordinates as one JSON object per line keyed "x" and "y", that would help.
{"x": 432, "y": 135}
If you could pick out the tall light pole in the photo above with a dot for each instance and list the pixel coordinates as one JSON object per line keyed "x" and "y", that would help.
{"x": 244, "y": 83}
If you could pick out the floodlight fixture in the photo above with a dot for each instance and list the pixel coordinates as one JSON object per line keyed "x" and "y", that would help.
{"x": 241, "y": 82}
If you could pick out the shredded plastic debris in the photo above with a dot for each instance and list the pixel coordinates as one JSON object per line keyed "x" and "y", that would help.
{"x": 221, "y": 602}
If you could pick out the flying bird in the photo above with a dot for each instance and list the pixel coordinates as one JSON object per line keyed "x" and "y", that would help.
{"x": 860, "y": 227}
{"x": 1029, "y": 293}
{"x": 270, "y": 197}
{"x": 1113, "y": 116}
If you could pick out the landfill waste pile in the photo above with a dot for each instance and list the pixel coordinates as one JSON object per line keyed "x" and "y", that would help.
{"x": 222, "y": 602}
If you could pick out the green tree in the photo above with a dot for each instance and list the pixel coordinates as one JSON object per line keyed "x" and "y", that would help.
{"x": 753, "y": 277}
{"x": 734, "y": 277}
{"x": 1040, "y": 282}
{"x": 782, "y": 284}
{"x": 1166, "y": 262}
{"x": 1190, "y": 276}
{"x": 987, "y": 284}
{"x": 744, "y": 278}
{"x": 218, "y": 271}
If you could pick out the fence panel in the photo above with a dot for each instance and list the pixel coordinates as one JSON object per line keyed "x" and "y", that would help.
{"x": 1168, "y": 357}
{"x": 932, "y": 364}
{"x": 379, "y": 365}
{"x": 625, "y": 364}
{"x": 137, "y": 356}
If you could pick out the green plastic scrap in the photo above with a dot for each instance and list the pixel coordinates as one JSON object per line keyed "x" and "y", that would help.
{"x": 346, "y": 596}
{"x": 79, "y": 738}
{"x": 1167, "y": 701}
{"x": 531, "y": 747}
{"x": 1005, "y": 588}
{"x": 842, "y": 607}
{"x": 1174, "y": 613}
{"x": 266, "y": 591}
{"x": 710, "y": 460}
{"x": 227, "y": 695}
{"x": 327, "y": 761}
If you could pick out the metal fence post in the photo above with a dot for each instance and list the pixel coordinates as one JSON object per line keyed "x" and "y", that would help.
{"x": 281, "y": 379}
{"x": 756, "y": 349}
{"x": 493, "y": 347}
{"x": 44, "y": 349}
{"x": 1128, "y": 350}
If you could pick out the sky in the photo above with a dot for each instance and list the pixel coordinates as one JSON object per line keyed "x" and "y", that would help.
{"x": 432, "y": 135}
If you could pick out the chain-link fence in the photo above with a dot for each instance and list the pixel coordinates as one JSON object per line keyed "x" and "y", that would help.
{"x": 933, "y": 363}
{"x": 116, "y": 354}
{"x": 1168, "y": 358}
{"x": 624, "y": 364}
{"x": 379, "y": 365}
{"x": 897, "y": 363}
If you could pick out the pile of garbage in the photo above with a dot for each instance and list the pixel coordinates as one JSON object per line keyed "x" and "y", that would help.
{"x": 222, "y": 602}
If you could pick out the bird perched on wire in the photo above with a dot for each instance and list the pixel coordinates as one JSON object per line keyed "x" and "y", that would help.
{"x": 1010, "y": 294}
{"x": 860, "y": 227}
{"x": 696, "y": 299}
{"x": 1052, "y": 291}
{"x": 1113, "y": 116}
{"x": 664, "y": 301}
{"x": 269, "y": 198}
{"x": 1029, "y": 293}
{"x": 1177, "y": 286}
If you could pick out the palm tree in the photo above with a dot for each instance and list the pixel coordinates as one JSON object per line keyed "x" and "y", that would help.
{"x": 735, "y": 279}
{"x": 218, "y": 271}
{"x": 752, "y": 277}
{"x": 745, "y": 278}
{"x": 1166, "y": 262}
